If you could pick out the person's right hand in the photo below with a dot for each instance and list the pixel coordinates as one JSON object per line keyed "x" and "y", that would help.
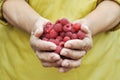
{"x": 44, "y": 49}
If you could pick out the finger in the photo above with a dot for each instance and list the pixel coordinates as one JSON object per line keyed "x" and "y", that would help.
{"x": 86, "y": 29}
{"x": 52, "y": 64}
{"x": 85, "y": 44}
{"x": 63, "y": 69}
{"x": 37, "y": 32}
{"x": 71, "y": 63}
{"x": 48, "y": 56}
{"x": 73, "y": 54}
{"x": 41, "y": 44}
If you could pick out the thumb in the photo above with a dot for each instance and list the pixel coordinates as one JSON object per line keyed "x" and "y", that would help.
{"x": 85, "y": 28}
{"x": 38, "y": 27}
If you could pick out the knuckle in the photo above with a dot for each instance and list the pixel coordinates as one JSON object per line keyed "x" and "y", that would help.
{"x": 78, "y": 64}
{"x": 39, "y": 56}
{"x": 79, "y": 56}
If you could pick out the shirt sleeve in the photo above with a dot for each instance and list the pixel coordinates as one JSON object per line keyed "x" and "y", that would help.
{"x": 118, "y": 1}
{"x": 1, "y": 3}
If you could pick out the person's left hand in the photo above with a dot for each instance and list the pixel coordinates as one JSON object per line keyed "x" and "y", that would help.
{"x": 75, "y": 49}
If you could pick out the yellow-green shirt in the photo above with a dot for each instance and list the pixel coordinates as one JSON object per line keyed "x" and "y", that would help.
{"x": 19, "y": 62}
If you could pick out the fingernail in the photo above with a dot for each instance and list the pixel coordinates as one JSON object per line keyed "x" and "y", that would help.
{"x": 37, "y": 33}
{"x": 52, "y": 47}
{"x": 66, "y": 64}
{"x": 85, "y": 26}
{"x": 64, "y": 53}
{"x": 61, "y": 70}
{"x": 83, "y": 54}
{"x": 55, "y": 58}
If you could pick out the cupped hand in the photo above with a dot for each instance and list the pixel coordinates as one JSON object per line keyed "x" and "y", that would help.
{"x": 44, "y": 50}
{"x": 75, "y": 49}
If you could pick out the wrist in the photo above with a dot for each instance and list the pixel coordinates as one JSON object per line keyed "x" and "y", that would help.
{"x": 90, "y": 26}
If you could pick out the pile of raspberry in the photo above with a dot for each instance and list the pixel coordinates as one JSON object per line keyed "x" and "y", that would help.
{"x": 62, "y": 31}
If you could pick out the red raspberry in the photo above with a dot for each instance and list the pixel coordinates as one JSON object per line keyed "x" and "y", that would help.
{"x": 57, "y": 41}
{"x": 73, "y": 30}
{"x": 58, "y": 49}
{"x": 48, "y": 23}
{"x": 81, "y": 35}
{"x": 59, "y": 38}
{"x": 67, "y": 27}
{"x": 58, "y": 27}
{"x": 53, "y": 34}
{"x": 62, "y": 34}
{"x": 64, "y": 21}
{"x": 48, "y": 27}
{"x": 76, "y": 26}
{"x": 47, "y": 35}
{"x": 58, "y": 21}
{"x": 61, "y": 44}
{"x": 69, "y": 34}
{"x": 74, "y": 36}
{"x": 66, "y": 38}
{"x": 52, "y": 40}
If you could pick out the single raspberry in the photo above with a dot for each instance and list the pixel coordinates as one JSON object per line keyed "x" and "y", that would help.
{"x": 48, "y": 27}
{"x": 62, "y": 34}
{"x": 74, "y": 36}
{"x": 52, "y": 40}
{"x": 57, "y": 41}
{"x": 73, "y": 30}
{"x": 58, "y": 27}
{"x": 61, "y": 43}
{"x": 64, "y": 21}
{"x": 48, "y": 23}
{"x": 76, "y": 26}
{"x": 81, "y": 35}
{"x": 67, "y": 27}
{"x": 47, "y": 36}
{"x": 58, "y": 21}
{"x": 58, "y": 49}
{"x": 53, "y": 34}
{"x": 59, "y": 38}
{"x": 69, "y": 34}
{"x": 66, "y": 38}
